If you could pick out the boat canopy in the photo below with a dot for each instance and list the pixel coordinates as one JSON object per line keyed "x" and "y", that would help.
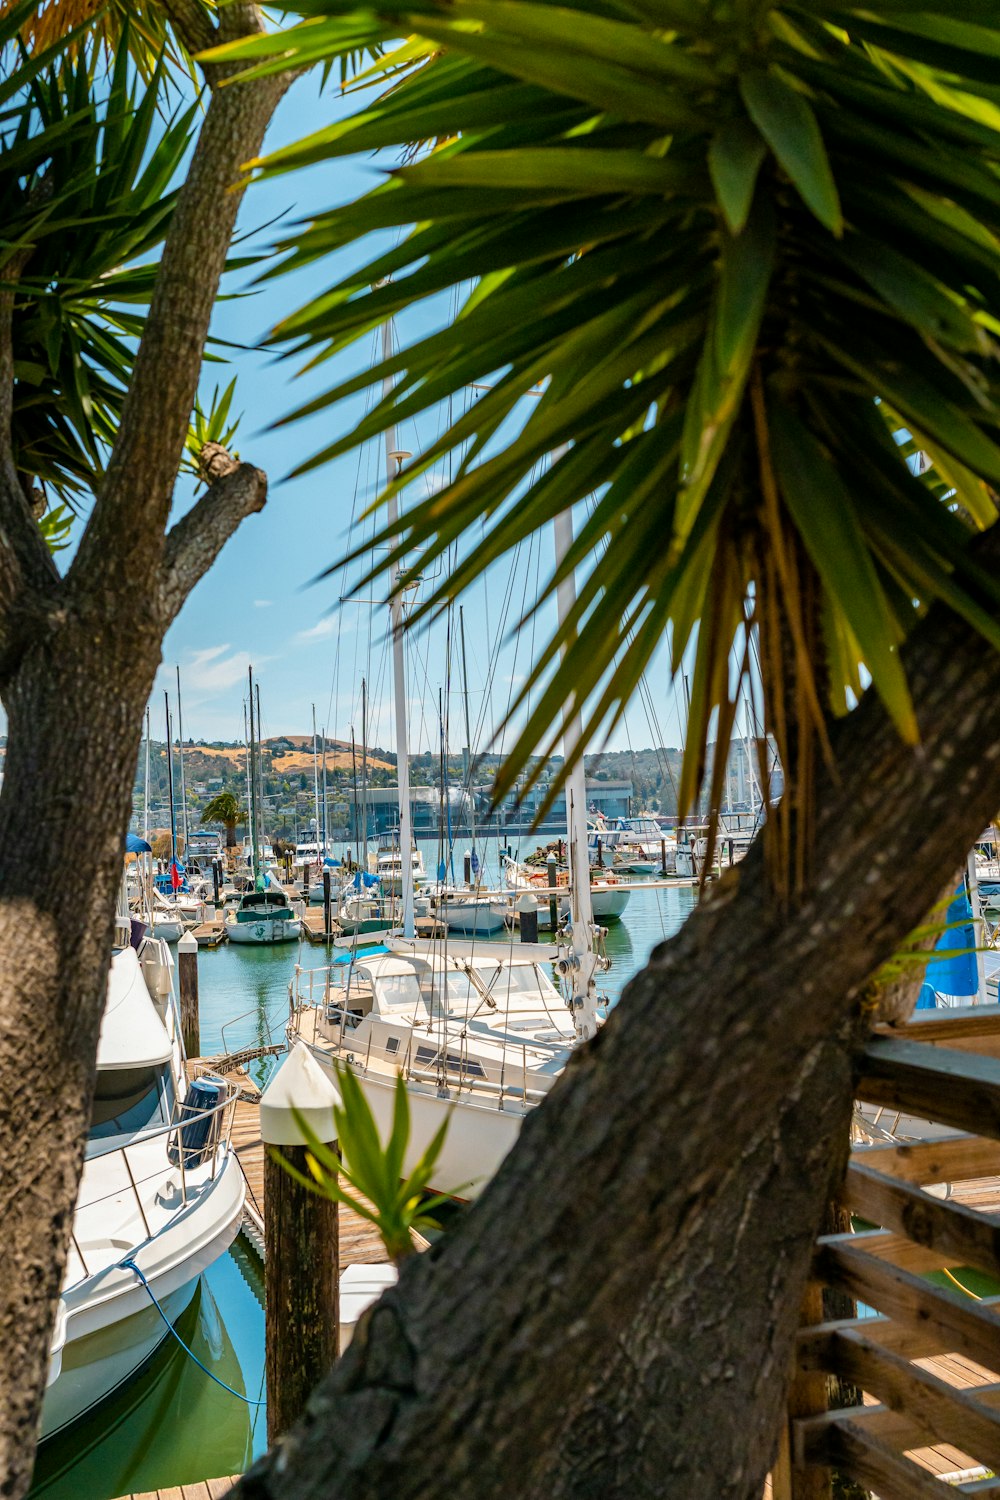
{"x": 135, "y": 845}
{"x": 132, "y": 1034}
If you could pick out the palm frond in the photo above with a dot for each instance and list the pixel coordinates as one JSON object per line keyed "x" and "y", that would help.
{"x": 751, "y": 258}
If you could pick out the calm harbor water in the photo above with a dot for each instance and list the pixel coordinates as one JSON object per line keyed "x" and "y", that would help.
{"x": 173, "y": 1425}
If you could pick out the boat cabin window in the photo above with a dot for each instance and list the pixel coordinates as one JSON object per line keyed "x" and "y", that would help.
{"x": 399, "y": 989}
{"x": 453, "y": 1062}
{"x": 127, "y": 1101}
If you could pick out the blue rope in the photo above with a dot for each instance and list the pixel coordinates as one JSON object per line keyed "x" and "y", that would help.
{"x": 131, "y": 1265}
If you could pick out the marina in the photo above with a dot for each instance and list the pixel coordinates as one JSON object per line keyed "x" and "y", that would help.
{"x": 500, "y": 750}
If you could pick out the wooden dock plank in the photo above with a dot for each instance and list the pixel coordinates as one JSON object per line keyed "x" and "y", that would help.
{"x": 204, "y": 1489}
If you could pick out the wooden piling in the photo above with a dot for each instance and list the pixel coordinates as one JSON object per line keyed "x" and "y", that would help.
{"x": 327, "y": 906}
{"x": 663, "y": 856}
{"x": 527, "y": 916}
{"x": 301, "y": 1266}
{"x": 553, "y": 871}
{"x": 187, "y": 971}
{"x": 301, "y": 1270}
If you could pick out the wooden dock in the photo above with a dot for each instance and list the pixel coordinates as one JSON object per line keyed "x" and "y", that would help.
{"x": 207, "y": 1489}
{"x": 210, "y": 934}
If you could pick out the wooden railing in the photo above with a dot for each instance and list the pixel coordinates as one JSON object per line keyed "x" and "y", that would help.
{"x": 924, "y": 1370}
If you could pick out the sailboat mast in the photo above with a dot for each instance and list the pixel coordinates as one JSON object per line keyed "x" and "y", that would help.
{"x": 364, "y": 766}
{"x": 467, "y": 751}
{"x": 252, "y": 780}
{"x": 170, "y": 776}
{"x": 393, "y": 462}
{"x": 180, "y": 757}
{"x": 316, "y": 783}
{"x": 145, "y": 794}
{"x": 357, "y": 811}
{"x": 260, "y": 774}
{"x": 584, "y": 1001}
{"x": 322, "y": 744}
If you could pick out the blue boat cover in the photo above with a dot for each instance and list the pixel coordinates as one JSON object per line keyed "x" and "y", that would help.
{"x": 135, "y": 845}
{"x": 956, "y": 975}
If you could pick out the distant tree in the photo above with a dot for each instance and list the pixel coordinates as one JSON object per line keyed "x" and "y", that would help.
{"x": 224, "y": 808}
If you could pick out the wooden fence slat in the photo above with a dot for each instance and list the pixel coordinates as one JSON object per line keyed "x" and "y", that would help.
{"x": 962, "y": 1326}
{"x": 950, "y": 1414}
{"x": 973, "y": 1021}
{"x": 964, "y": 1236}
{"x": 934, "y": 1083}
{"x": 846, "y": 1445}
{"x": 951, "y": 1159}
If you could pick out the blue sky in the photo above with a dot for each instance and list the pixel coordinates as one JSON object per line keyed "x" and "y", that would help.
{"x": 261, "y": 603}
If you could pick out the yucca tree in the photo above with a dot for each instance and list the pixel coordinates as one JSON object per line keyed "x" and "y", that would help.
{"x": 735, "y": 264}
{"x": 118, "y": 215}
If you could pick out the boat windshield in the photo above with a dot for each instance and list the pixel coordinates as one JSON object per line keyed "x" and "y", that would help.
{"x": 127, "y": 1101}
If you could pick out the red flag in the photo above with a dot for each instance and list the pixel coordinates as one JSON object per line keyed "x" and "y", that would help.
{"x": 175, "y": 876}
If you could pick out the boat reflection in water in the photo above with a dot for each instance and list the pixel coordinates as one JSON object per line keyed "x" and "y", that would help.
{"x": 172, "y": 1425}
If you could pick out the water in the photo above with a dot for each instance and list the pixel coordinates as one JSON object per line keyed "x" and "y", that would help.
{"x": 173, "y": 1425}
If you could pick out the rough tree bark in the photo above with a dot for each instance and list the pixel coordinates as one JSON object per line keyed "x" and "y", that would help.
{"x": 615, "y": 1314}
{"x": 77, "y": 660}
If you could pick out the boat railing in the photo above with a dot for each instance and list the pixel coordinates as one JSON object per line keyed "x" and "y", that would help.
{"x": 211, "y": 1145}
{"x": 259, "y": 1015}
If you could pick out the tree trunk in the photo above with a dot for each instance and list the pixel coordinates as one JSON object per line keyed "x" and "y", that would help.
{"x": 616, "y": 1313}
{"x": 75, "y": 712}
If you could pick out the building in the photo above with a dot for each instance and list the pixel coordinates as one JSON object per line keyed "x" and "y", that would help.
{"x": 612, "y": 798}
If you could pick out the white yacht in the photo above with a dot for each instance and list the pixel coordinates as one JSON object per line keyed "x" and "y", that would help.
{"x": 165, "y": 1194}
{"x": 479, "y": 1034}
{"x": 608, "y": 897}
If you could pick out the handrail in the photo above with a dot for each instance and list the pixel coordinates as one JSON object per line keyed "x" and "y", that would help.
{"x": 223, "y": 1142}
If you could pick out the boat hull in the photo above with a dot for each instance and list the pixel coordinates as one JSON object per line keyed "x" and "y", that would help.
{"x": 96, "y": 1366}
{"x": 265, "y": 930}
{"x": 478, "y": 1138}
{"x": 473, "y": 918}
{"x": 607, "y": 902}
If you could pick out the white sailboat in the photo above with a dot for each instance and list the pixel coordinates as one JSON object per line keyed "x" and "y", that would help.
{"x": 478, "y": 1033}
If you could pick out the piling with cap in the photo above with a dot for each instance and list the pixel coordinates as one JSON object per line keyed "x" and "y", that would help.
{"x": 527, "y": 917}
{"x": 187, "y": 974}
{"x": 327, "y": 907}
{"x": 301, "y": 1266}
{"x": 553, "y": 872}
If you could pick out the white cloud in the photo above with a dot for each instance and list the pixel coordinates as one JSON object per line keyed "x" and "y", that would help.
{"x": 215, "y": 668}
{"x": 262, "y": 603}
{"x": 323, "y": 628}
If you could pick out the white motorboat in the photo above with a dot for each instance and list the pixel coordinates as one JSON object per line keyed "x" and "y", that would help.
{"x": 469, "y": 914}
{"x": 478, "y": 1034}
{"x": 387, "y": 863}
{"x": 163, "y": 1194}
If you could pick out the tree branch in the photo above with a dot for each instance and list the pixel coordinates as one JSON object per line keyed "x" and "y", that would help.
{"x": 196, "y": 540}
{"x": 27, "y": 573}
{"x": 126, "y": 530}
